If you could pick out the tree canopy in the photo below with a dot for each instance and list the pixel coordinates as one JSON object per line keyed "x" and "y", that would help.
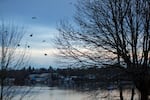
{"x": 110, "y": 31}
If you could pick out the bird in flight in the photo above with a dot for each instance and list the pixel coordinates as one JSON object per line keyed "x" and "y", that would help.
{"x": 31, "y": 35}
{"x": 43, "y": 41}
{"x": 18, "y": 45}
{"x": 34, "y": 17}
{"x": 45, "y": 54}
{"x": 28, "y": 46}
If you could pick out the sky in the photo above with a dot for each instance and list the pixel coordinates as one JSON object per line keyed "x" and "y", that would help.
{"x": 40, "y": 18}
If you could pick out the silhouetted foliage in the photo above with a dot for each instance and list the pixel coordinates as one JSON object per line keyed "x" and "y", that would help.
{"x": 11, "y": 56}
{"x": 110, "y": 31}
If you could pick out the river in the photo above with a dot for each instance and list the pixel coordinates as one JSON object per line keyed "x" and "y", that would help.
{"x": 55, "y": 93}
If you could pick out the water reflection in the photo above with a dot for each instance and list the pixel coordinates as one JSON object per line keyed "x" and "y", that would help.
{"x": 55, "y": 93}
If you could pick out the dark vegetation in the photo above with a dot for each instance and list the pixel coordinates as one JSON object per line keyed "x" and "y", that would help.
{"x": 103, "y": 75}
{"x": 108, "y": 32}
{"x": 10, "y": 54}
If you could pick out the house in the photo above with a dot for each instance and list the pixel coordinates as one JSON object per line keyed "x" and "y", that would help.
{"x": 40, "y": 79}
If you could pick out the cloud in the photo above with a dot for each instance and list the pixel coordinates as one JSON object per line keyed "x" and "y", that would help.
{"x": 41, "y": 43}
{"x": 38, "y": 56}
{"x": 47, "y": 13}
{"x": 43, "y": 36}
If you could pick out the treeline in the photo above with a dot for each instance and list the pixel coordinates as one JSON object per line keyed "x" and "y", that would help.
{"x": 104, "y": 74}
{"x": 20, "y": 75}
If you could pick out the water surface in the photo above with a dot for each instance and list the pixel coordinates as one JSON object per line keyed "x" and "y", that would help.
{"x": 55, "y": 93}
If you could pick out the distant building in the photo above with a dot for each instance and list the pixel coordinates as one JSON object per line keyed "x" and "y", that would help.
{"x": 39, "y": 79}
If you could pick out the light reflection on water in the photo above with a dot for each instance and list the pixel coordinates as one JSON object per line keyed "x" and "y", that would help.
{"x": 54, "y": 93}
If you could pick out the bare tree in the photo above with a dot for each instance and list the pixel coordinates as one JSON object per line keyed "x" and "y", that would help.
{"x": 110, "y": 31}
{"x": 12, "y": 56}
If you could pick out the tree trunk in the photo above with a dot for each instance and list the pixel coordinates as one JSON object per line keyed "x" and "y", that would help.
{"x": 144, "y": 95}
{"x": 144, "y": 87}
{"x": 121, "y": 94}
{"x": 132, "y": 95}
{"x": 1, "y": 91}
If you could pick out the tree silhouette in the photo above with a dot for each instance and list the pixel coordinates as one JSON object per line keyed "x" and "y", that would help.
{"x": 11, "y": 57}
{"x": 110, "y": 31}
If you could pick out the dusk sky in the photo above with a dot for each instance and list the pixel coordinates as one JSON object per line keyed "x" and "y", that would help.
{"x": 40, "y": 18}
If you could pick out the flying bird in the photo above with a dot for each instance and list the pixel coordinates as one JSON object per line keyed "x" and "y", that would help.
{"x": 34, "y": 17}
{"x": 43, "y": 41}
{"x": 45, "y": 54}
{"x": 28, "y": 46}
{"x": 31, "y": 35}
{"x": 18, "y": 45}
